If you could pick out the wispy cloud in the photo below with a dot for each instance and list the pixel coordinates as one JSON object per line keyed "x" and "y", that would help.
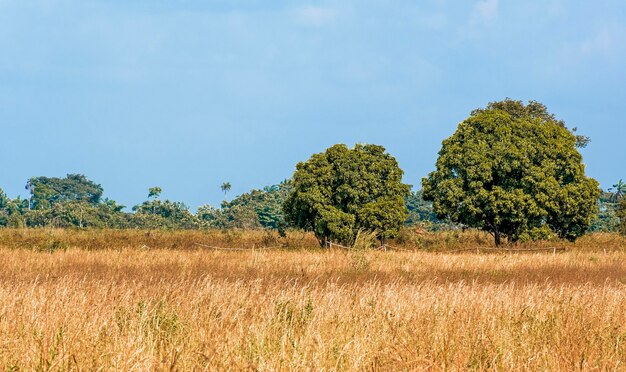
{"x": 603, "y": 42}
{"x": 315, "y": 15}
{"x": 433, "y": 21}
{"x": 486, "y": 9}
{"x": 483, "y": 15}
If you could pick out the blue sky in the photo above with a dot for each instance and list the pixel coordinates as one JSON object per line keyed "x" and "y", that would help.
{"x": 188, "y": 94}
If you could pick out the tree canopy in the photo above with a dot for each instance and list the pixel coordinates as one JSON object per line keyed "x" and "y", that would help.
{"x": 225, "y": 187}
{"x": 515, "y": 171}
{"x": 154, "y": 192}
{"x": 47, "y": 191}
{"x": 340, "y": 191}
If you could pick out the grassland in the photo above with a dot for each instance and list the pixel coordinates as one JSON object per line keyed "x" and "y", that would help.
{"x": 129, "y": 300}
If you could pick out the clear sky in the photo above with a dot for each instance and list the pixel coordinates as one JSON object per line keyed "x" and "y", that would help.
{"x": 188, "y": 94}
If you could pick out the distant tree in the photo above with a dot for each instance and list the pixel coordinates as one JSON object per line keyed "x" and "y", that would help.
{"x": 77, "y": 214}
{"x": 16, "y": 210}
{"x": 112, "y": 205}
{"x": 254, "y": 209}
{"x": 618, "y": 190}
{"x": 4, "y": 208}
{"x": 31, "y": 188}
{"x": 225, "y": 188}
{"x": 162, "y": 214}
{"x": 4, "y": 200}
{"x": 606, "y": 220}
{"x": 47, "y": 191}
{"x": 240, "y": 216}
{"x": 419, "y": 209}
{"x": 513, "y": 170}
{"x": 621, "y": 214}
{"x": 209, "y": 216}
{"x": 340, "y": 191}
{"x": 154, "y": 192}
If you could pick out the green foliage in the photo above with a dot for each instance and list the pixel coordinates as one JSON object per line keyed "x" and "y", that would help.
{"x": 4, "y": 200}
{"x": 239, "y": 216}
{"x": 4, "y": 205}
{"x": 513, "y": 170}
{"x": 422, "y": 213}
{"x": 74, "y": 206}
{"x": 46, "y": 192}
{"x": 606, "y": 220}
{"x": 419, "y": 210}
{"x": 154, "y": 192}
{"x": 341, "y": 191}
{"x": 621, "y": 214}
{"x": 225, "y": 187}
{"x": 532, "y": 110}
{"x": 209, "y": 215}
{"x": 256, "y": 209}
{"x": 11, "y": 211}
{"x": 618, "y": 190}
{"x": 76, "y": 214}
{"x": 163, "y": 214}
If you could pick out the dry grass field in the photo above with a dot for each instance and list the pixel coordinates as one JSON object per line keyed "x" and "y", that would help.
{"x": 76, "y": 300}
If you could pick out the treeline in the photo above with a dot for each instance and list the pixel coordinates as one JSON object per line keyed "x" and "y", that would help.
{"x": 76, "y": 201}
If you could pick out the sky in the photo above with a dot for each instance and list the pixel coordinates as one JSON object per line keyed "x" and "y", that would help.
{"x": 188, "y": 94}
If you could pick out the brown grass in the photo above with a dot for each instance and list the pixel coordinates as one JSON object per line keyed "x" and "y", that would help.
{"x": 47, "y": 240}
{"x": 154, "y": 308}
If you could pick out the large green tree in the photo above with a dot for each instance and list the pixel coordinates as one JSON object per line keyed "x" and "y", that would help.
{"x": 514, "y": 170}
{"x": 340, "y": 191}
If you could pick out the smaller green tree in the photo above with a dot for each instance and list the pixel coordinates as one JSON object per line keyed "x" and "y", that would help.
{"x": 341, "y": 191}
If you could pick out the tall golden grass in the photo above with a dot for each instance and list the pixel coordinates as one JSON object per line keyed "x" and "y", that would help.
{"x": 48, "y": 240}
{"x": 134, "y": 306}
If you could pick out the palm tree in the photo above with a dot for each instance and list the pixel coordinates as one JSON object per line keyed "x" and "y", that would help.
{"x": 225, "y": 188}
{"x": 619, "y": 189}
{"x": 30, "y": 187}
{"x": 154, "y": 192}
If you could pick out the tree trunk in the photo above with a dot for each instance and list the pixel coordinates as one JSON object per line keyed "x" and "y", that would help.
{"x": 498, "y": 237}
